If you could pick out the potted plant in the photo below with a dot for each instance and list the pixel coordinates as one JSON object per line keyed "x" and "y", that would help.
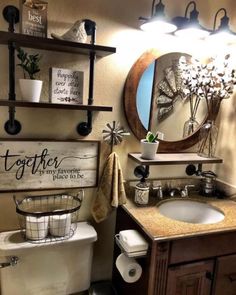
{"x": 150, "y": 144}
{"x": 29, "y": 86}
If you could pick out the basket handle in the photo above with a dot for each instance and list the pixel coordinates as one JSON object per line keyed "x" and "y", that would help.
{"x": 16, "y": 201}
{"x": 80, "y": 195}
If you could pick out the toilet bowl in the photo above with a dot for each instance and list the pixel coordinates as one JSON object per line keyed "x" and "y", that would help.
{"x": 52, "y": 268}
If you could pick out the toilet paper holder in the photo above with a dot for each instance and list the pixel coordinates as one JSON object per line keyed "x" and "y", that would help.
{"x": 130, "y": 254}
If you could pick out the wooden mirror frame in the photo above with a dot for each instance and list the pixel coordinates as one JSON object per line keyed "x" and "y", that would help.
{"x": 130, "y": 106}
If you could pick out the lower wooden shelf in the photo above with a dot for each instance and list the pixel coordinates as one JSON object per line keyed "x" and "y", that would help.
{"x": 174, "y": 159}
{"x": 48, "y": 105}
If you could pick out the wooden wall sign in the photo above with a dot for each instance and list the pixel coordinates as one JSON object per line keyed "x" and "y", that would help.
{"x": 33, "y": 18}
{"x": 37, "y": 165}
{"x": 66, "y": 86}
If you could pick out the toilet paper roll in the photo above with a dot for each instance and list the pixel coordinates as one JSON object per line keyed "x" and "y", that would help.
{"x": 128, "y": 268}
{"x": 59, "y": 225}
{"x": 36, "y": 227}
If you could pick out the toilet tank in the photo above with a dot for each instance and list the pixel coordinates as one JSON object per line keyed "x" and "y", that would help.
{"x": 52, "y": 268}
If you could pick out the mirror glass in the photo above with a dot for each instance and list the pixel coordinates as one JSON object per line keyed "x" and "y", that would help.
{"x": 160, "y": 102}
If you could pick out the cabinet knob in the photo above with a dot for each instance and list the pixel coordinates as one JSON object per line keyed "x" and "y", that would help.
{"x": 232, "y": 277}
{"x": 209, "y": 275}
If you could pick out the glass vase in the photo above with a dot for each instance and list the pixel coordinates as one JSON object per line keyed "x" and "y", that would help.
{"x": 208, "y": 139}
{"x": 190, "y": 126}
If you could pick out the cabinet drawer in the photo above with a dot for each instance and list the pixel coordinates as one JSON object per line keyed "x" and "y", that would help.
{"x": 202, "y": 247}
{"x": 225, "y": 280}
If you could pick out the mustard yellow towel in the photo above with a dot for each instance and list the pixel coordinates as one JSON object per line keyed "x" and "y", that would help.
{"x": 111, "y": 191}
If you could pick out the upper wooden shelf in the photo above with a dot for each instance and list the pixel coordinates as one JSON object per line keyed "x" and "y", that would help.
{"x": 48, "y": 105}
{"x": 174, "y": 159}
{"x": 55, "y": 45}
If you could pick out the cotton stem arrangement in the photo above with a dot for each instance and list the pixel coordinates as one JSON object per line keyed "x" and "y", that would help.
{"x": 213, "y": 82}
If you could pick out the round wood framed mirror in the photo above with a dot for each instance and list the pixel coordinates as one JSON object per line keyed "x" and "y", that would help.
{"x": 172, "y": 108}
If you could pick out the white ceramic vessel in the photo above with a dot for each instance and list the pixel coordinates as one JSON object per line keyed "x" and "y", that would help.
{"x": 148, "y": 149}
{"x": 30, "y": 89}
{"x": 191, "y": 211}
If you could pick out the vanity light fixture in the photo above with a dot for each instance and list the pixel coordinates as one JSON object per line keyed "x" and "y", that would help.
{"x": 223, "y": 33}
{"x": 157, "y": 23}
{"x": 190, "y": 27}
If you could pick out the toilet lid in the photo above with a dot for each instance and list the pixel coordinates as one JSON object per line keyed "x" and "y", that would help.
{"x": 13, "y": 241}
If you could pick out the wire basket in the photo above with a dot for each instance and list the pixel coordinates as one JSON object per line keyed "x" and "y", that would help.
{"x": 48, "y": 218}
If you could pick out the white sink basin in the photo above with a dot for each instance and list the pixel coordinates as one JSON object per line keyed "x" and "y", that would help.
{"x": 191, "y": 211}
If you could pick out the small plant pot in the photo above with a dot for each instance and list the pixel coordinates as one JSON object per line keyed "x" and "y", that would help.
{"x": 148, "y": 149}
{"x": 30, "y": 89}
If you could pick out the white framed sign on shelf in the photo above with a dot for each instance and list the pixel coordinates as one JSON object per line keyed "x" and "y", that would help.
{"x": 66, "y": 86}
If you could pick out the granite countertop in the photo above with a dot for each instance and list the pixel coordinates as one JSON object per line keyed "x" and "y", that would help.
{"x": 160, "y": 228}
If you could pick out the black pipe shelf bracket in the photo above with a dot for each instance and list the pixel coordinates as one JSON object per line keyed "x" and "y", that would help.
{"x": 85, "y": 128}
{"x": 193, "y": 170}
{"x": 11, "y": 15}
{"x": 142, "y": 172}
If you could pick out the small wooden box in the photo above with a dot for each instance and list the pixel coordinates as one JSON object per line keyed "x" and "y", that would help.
{"x": 33, "y": 18}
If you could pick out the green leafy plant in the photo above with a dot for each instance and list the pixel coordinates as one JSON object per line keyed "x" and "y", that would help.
{"x": 29, "y": 63}
{"x": 150, "y": 137}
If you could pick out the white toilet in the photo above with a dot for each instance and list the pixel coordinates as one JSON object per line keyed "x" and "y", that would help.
{"x": 55, "y": 268}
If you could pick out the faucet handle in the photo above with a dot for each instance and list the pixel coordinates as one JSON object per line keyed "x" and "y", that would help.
{"x": 174, "y": 191}
{"x": 184, "y": 192}
{"x": 158, "y": 188}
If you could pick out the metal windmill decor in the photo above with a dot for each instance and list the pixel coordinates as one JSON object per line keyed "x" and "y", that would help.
{"x": 113, "y": 134}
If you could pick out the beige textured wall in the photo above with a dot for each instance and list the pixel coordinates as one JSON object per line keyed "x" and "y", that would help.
{"x": 117, "y": 23}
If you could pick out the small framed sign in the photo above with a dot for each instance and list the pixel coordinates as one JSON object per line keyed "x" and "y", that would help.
{"x": 33, "y": 17}
{"x": 66, "y": 86}
{"x": 37, "y": 165}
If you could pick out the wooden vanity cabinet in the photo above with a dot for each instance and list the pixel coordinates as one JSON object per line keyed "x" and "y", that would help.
{"x": 225, "y": 276}
{"x": 190, "y": 279}
{"x": 198, "y": 265}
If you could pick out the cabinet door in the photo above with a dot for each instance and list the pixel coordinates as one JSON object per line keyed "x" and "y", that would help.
{"x": 190, "y": 279}
{"x": 225, "y": 279}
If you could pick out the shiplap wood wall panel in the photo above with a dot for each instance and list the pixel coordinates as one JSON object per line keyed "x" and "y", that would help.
{"x": 26, "y": 165}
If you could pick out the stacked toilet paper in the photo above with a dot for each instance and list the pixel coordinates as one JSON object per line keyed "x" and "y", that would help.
{"x": 58, "y": 225}
{"x": 128, "y": 268}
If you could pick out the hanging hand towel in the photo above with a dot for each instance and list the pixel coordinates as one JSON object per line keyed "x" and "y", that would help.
{"x": 111, "y": 191}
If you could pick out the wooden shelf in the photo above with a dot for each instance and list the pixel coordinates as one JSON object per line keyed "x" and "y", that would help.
{"x": 55, "y": 45}
{"x": 47, "y": 105}
{"x": 174, "y": 159}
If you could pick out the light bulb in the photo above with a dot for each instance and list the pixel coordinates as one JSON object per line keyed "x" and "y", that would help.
{"x": 158, "y": 27}
{"x": 192, "y": 33}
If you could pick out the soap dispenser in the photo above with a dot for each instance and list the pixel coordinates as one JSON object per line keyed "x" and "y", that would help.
{"x": 141, "y": 193}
